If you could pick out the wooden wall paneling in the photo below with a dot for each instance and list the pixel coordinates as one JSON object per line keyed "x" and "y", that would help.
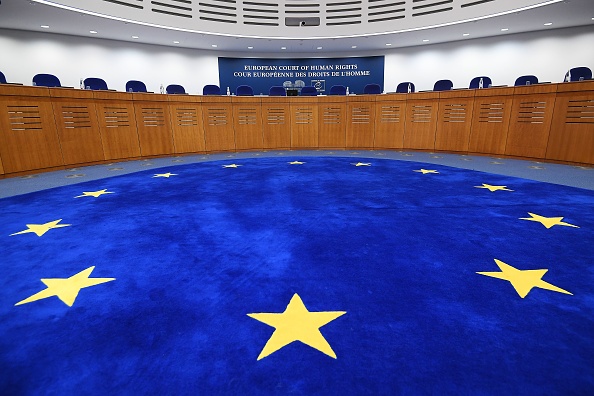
{"x": 28, "y": 135}
{"x": 490, "y": 120}
{"x": 117, "y": 124}
{"x": 217, "y": 119}
{"x": 186, "y": 123}
{"x": 421, "y": 120}
{"x": 360, "y": 131}
{"x": 572, "y": 127}
{"x": 454, "y": 120}
{"x": 390, "y": 116}
{"x": 78, "y": 127}
{"x": 1, "y": 167}
{"x": 332, "y": 117}
{"x": 276, "y": 122}
{"x": 530, "y": 123}
{"x": 247, "y": 123}
{"x": 153, "y": 123}
{"x": 304, "y": 122}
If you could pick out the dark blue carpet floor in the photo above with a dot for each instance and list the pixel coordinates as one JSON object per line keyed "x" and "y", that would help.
{"x": 374, "y": 279}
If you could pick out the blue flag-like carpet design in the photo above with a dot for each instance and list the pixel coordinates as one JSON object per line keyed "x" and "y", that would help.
{"x": 316, "y": 276}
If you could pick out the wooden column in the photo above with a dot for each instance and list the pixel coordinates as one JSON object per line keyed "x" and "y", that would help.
{"x": 28, "y": 135}
{"x": 117, "y": 124}
{"x": 454, "y": 120}
{"x": 247, "y": 123}
{"x": 360, "y": 131}
{"x": 304, "y": 122}
{"x": 153, "y": 123}
{"x": 390, "y": 116}
{"x": 532, "y": 112}
{"x": 332, "y": 117}
{"x": 490, "y": 120}
{"x": 572, "y": 127}
{"x": 186, "y": 123}
{"x": 217, "y": 119}
{"x": 276, "y": 122}
{"x": 421, "y": 120}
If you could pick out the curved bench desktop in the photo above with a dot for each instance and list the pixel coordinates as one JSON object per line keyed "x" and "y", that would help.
{"x": 56, "y": 128}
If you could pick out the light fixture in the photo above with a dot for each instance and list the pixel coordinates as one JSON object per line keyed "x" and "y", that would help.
{"x": 319, "y": 48}
{"x": 283, "y": 48}
{"x": 353, "y": 46}
{"x": 465, "y": 34}
{"x": 504, "y": 29}
{"x": 135, "y": 37}
{"x": 93, "y": 31}
{"x": 250, "y": 47}
{"x": 44, "y": 26}
{"x": 548, "y": 23}
{"x": 425, "y": 41}
{"x": 388, "y": 44}
{"x": 176, "y": 42}
{"x": 214, "y": 45}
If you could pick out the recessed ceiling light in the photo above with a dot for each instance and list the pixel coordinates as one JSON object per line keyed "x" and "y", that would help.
{"x": 504, "y": 29}
{"x": 135, "y": 37}
{"x": 45, "y": 26}
{"x": 214, "y": 45}
{"x": 176, "y": 42}
{"x": 283, "y": 48}
{"x": 319, "y": 48}
{"x": 93, "y": 31}
{"x": 425, "y": 41}
{"x": 250, "y": 47}
{"x": 465, "y": 34}
{"x": 353, "y": 46}
{"x": 388, "y": 44}
{"x": 548, "y": 23}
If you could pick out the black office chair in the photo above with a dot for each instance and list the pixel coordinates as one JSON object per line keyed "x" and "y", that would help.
{"x": 578, "y": 74}
{"x": 244, "y": 90}
{"x": 309, "y": 90}
{"x": 372, "y": 89}
{"x": 175, "y": 89}
{"x": 443, "y": 85}
{"x": 211, "y": 89}
{"x": 135, "y": 86}
{"x": 277, "y": 91}
{"x": 96, "y": 84}
{"x": 405, "y": 87}
{"x": 2, "y": 78}
{"x": 480, "y": 82}
{"x": 337, "y": 90}
{"x": 46, "y": 80}
{"x": 526, "y": 80}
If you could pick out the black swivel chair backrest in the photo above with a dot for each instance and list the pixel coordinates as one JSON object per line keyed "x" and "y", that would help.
{"x": 526, "y": 80}
{"x": 46, "y": 80}
{"x": 443, "y": 85}
{"x": 578, "y": 74}
{"x": 309, "y": 90}
{"x": 175, "y": 89}
{"x": 135, "y": 86}
{"x": 211, "y": 89}
{"x": 2, "y": 78}
{"x": 480, "y": 82}
{"x": 277, "y": 90}
{"x": 405, "y": 87}
{"x": 244, "y": 90}
{"x": 337, "y": 90}
{"x": 96, "y": 84}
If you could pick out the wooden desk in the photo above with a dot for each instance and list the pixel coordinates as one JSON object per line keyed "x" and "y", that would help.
{"x": 421, "y": 120}
{"x": 186, "y": 123}
{"x": 454, "y": 120}
{"x": 332, "y": 122}
{"x": 360, "y": 131}
{"x": 490, "y": 120}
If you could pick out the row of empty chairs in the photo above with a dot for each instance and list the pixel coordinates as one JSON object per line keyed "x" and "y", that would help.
{"x": 93, "y": 83}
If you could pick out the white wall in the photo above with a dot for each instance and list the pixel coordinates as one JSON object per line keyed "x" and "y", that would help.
{"x": 548, "y": 55}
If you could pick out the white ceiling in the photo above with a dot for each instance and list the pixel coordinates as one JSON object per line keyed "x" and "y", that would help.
{"x": 30, "y": 15}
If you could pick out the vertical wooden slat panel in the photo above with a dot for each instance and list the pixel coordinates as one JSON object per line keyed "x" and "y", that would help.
{"x": 332, "y": 122}
{"x": 390, "y": 116}
{"x": 304, "y": 122}
{"x": 186, "y": 123}
{"x": 276, "y": 122}
{"x": 247, "y": 123}
{"x": 490, "y": 120}
{"x": 153, "y": 123}
{"x": 454, "y": 120}
{"x": 360, "y": 131}
{"x": 421, "y": 120}
{"x": 217, "y": 114}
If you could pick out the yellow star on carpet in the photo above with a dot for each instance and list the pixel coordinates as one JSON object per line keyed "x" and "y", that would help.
{"x": 41, "y": 229}
{"x": 523, "y": 280}
{"x": 362, "y": 164}
{"x": 168, "y": 174}
{"x": 296, "y": 323}
{"x": 94, "y": 193}
{"x": 425, "y": 171}
{"x": 547, "y": 221}
{"x": 296, "y": 163}
{"x": 494, "y": 188}
{"x": 66, "y": 289}
{"x": 231, "y": 166}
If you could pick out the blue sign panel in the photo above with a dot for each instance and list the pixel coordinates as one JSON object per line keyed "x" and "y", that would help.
{"x": 322, "y": 73}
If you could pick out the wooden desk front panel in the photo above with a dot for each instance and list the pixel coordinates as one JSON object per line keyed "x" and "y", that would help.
{"x": 186, "y": 123}
{"x": 572, "y": 128}
{"x": 421, "y": 123}
{"x": 117, "y": 124}
{"x": 454, "y": 123}
{"x": 276, "y": 123}
{"x": 78, "y": 130}
{"x": 1, "y": 167}
{"x": 28, "y": 136}
{"x": 490, "y": 122}
{"x": 332, "y": 128}
{"x": 529, "y": 126}
{"x": 360, "y": 132}
{"x": 154, "y": 127}
{"x": 247, "y": 123}
{"x": 217, "y": 119}
{"x": 390, "y": 116}
{"x": 304, "y": 124}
